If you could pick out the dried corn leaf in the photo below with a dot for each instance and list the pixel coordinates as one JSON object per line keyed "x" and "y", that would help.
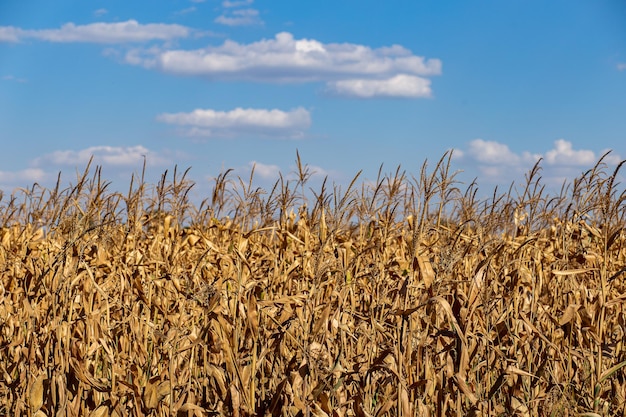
{"x": 154, "y": 392}
{"x": 102, "y": 411}
{"x": 36, "y": 393}
{"x": 426, "y": 270}
{"x": 569, "y": 314}
{"x": 573, "y": 271}
{"x": 86, "y": 377}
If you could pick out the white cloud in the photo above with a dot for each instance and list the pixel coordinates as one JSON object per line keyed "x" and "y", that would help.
{"x": 265, "y": 171}
{"x": 492, "y": 152}
{"x": 28, "y": 175}
{"x": 100, "y": 32}
{"x": 402, "y": 85}
{"x": 186, "y": 11}
{"x": 100, "y": 12}
{"x": 110, "y": 155}
{"x": 236, "y": 3}
{"x": 212, "y": 123}
{"x": 9, "y": 34}
{"x": 243, "y": 17}
{"x": 319, "y": 172}
{"x": 612, "y": 158}
{"x": 564, "y": 154}
{"x": 271, "y": 172}
{"x": 285, "y": 59}
{"x": 621, "y": 66}
{"x": 496, "y": 162}
{"x": 457, "y": 154}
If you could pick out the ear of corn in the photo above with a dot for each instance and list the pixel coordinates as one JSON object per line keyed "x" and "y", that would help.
{"x": 406, "y": 296}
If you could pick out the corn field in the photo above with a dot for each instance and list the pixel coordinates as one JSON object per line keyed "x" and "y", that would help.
{"x": 407, "y": 295}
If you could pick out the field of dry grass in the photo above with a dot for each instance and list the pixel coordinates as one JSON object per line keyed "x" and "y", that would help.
{"x": 406, "y": 296}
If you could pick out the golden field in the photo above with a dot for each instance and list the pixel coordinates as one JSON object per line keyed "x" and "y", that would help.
{"x": 405, "y": 296}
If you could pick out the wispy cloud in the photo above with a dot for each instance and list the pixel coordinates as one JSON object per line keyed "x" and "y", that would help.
{"x": 100, "y": 32}
{"x": 242, "y": 17}
{"x": 236, "y": 13}
{"x": 236, "y": 3}
{"x": 349, "y": 69}
{"x": 212, "y": 123}
{"x": 14, "y": 78}
{"x": 25, "y": 176}
{"x": 497, "y": 163}
{"x": 621, "y": 66}
{"x": 188, "y": 10}
{"x": 131, "y": 156}
{"x": 100, "y": 12}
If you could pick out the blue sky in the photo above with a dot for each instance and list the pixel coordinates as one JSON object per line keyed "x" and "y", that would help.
{"x": 349, "y": 84}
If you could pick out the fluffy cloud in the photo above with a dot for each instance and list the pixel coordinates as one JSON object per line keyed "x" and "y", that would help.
{"x": 495, "y": 153}
{"x": 408, "y": 86}
{"x": 243, "y": 17}
{"x": 110, "y": 155}
{"x": 496, "y": 162}
{"x": 212, "y": 123}
{"x": 350, "y": 69}
{"x": 120, "y": 32}
{"x": 564, "y": 154}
